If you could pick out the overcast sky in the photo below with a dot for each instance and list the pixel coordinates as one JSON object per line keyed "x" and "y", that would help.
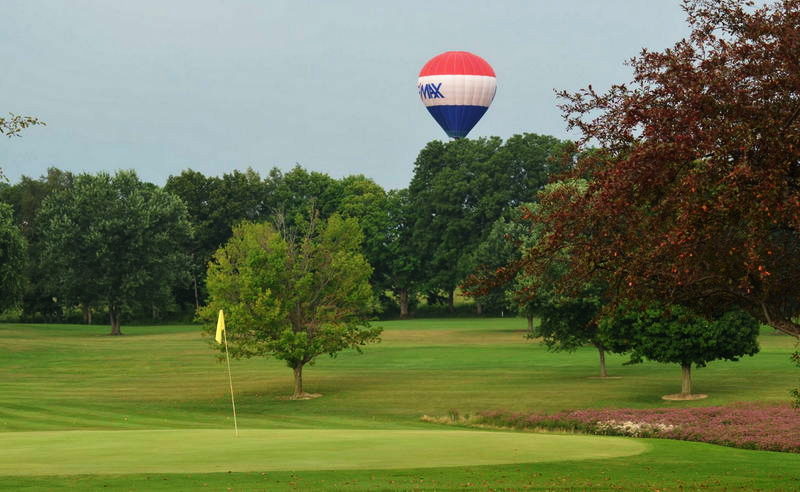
{"x": 161, "y": 86}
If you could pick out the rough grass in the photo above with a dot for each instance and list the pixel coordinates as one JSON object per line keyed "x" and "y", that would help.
{"x": 75, "y": 377}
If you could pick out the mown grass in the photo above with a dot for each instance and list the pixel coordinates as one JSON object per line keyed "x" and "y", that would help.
{"x": 74, "y": 377}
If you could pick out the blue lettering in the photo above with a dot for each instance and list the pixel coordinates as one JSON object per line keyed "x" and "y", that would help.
{"x": 430, "y": 91}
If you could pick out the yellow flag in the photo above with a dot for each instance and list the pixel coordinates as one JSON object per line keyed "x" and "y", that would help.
{"x": 220, "y": 327}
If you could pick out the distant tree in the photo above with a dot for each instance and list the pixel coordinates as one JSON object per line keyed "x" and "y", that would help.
{"x": 460, "y": 188}
{"x": 368, "y": 203}
{"x": 26, "y": 196}
{"x": 444, "y": 203}
{"x": 113, "y": 241}
{"x": 498, "y": 249}
{"x": 568, "y": 319}
{"x": 293, "y": 294}
{"x": 675, "y": 334}
{"x": 568, "y": 322}
{"x": 215, "y": 205}
{"x": 12, "y": 259}
{"x": 199, "y": 193}
{"x": 293, "y": 193}
{"x": 403, "y": 259}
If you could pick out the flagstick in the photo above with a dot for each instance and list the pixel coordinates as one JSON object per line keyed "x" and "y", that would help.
{"x": 230, "y": 381}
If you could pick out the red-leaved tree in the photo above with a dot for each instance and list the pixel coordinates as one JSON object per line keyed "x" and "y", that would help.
{"x": 694, "y": 198}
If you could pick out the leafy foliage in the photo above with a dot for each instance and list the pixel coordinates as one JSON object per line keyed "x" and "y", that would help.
{"x": 461, "y": 188}
{"x": 113, "y": 241}
{"x": 293, "y": 294}
{"x": 13, "y": 257}
{"x": 672, "y": 333}
{"x": 694, "y": 198}
{"x": 14, "y": 124}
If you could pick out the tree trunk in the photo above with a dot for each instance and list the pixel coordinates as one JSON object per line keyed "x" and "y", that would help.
{"x": 403, "y": 303}
{"x": 196, "y": 297}
{"x": 87, "y": 314}
{"x": 298, "y": 381}
{"x": 478, "y": 308}
{"x": 686, "y": 382}
{"x": 451, "y": 300}
{"x": 115, "y": 322}
{"x": 603, "y": 372}
{"x": 530, "y": 322}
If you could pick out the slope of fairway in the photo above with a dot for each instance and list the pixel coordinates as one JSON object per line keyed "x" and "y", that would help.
{"x": 208, "y": 451}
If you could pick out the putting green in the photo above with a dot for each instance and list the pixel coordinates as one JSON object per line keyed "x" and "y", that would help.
{"x": 198, "y": 451}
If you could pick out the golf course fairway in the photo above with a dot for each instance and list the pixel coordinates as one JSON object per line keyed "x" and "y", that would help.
{"x": 207, "y": 451}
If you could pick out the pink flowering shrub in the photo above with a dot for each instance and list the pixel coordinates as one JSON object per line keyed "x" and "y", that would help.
{"x": 750, "y": 426}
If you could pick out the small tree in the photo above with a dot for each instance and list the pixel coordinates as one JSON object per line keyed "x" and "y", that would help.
{"x": 568, "y": 317}
{"x": 675, "y": 334}
{"x": 12, "y": 259}
{"x": 569, "y": 322}
{"x": 293, "y": 294}
{"x": 496, "y": 250}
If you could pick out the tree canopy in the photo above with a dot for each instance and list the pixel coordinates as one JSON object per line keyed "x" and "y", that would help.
{"x": 694, "y": 197}
{"x": 13, "y": 258}
{"x": 675, "y": 334}
{"x": 461, "y": 188}
{"x": 293, "y": 293}
{"x": 113, "y": 241}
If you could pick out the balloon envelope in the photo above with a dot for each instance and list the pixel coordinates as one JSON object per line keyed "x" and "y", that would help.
{"x": 457, "y": 87}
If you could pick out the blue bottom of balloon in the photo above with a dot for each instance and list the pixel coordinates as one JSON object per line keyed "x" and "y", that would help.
{"x": 457, "y": 121}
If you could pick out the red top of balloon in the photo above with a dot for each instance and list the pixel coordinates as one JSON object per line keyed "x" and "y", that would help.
{"x": 457, "y": 63}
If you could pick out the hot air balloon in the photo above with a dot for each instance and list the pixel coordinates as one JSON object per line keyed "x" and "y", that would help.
{"x": 457, "y": 87}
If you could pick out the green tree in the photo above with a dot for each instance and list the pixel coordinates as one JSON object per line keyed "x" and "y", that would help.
{"x": 26, "y": 196}
{"x": 568, "y": 318}
{"x": 215, "y": 205}
{"x": 460, "y": 188}
{"x": 498, "y": 249}
{"x": 113, "y": 241}
{"x": 403, "y": 259}
{"x": 570, "y": 321}
{"x": 294, "y": 193}
{"x": 293, "y": 294}
{"x": 12, "y": 259}
{"x": 675, "y": 334}
{"x": 444, "y": 202}
{"x": 368, "y": 203}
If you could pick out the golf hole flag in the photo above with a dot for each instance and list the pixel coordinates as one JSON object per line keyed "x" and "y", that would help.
{"x": 220, "y": 327}
{"x": 457, "y": 87}
{"x": 220, "y": 338}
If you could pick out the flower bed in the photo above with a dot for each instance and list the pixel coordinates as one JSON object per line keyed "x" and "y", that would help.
{"x": 750, "y": 426}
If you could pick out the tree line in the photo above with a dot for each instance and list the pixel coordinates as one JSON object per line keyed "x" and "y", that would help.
{"x": 111, "y": 243}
